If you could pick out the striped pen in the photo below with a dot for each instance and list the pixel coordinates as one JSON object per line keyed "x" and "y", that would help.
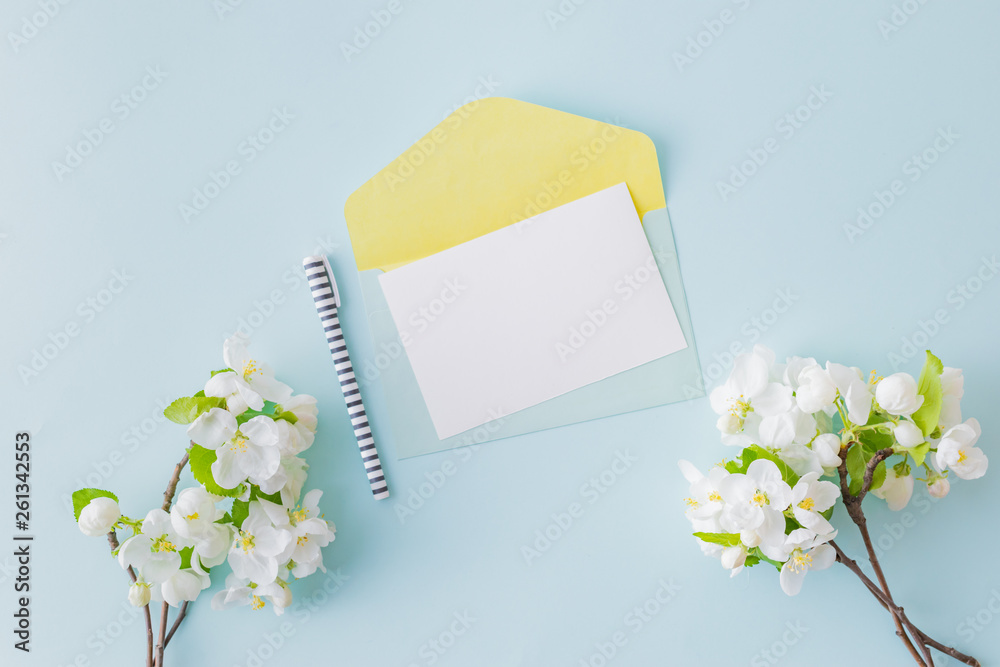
{"x": 327, "y": 299}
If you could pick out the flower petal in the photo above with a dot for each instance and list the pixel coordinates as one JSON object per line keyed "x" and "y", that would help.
{"x": 212, "y": 428}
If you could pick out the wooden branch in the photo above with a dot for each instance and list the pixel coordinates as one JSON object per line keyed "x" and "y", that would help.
{"x": 164, "y": 613}
{"x": 113, "y": 541}
{"x": 866, "y": 485}
{"x": 180, "y": 617}
{"x": 168, "y": 495}
{"x": 922, "y": 638}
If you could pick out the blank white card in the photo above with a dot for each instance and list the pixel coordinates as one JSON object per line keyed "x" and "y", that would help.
{"x": 532, "y": 311}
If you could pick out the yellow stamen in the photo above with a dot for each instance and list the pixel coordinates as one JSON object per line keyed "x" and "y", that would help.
{"x": 800, "y": 562}
{"x": 302, "y": 540}
{"x": 191, "y": 517}
{"x": 250, "y": 368}
{"x": 239, "y": 443}
{"x": 715, "y": 497}
{"x": 298, "y": 514}
{"x": 759, "y": 498}
{"x": 162, "y": 544}
{"x": 807, "y": 503}
{"x": 256, "y": 604}
{"x": 246, "y": 541}
{"x": 962, "y": 456}
{"x": 691, "y": 502}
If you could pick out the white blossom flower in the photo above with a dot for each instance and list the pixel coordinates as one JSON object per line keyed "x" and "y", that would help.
{"x": 310, "y": 532}
{"x": 755, "y": 503}
{"x": 295, "y": 477}
{"x": 953, "y": 389}
{"x": 236, "y": 390}
{"x": 250, "y": 451}
{"x": 249, "y": 383}
{"x": 897, "y": 394}
{"x": 253, "y": 555}
{"x": 794, "y": 367}
{"x": 704, "y": 501}
{"x": 827, "y": 448}
{"x": 153, "y": 552}
{"x": 957, "y": 451}
{"x": 805, "y": 551}
{"x": 304, "y": 408}
{"x": 241, "y": 592}
{"x": 99, "y": 517}
{"x": 908, "y": 434}
{"x": 810, "y": 497}
{"x": 781, "y": 430}
{"x": 182, "y": 585}
{"x": 194, "y": 517}
{"x": 854, "y": 390}
{"x": 749, "y": 396}
{"x": 896, "y": 490}
{"x": 816, "y": 390}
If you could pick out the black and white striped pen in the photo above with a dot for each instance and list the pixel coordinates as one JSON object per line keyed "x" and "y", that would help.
{"x": 324, "y": 292}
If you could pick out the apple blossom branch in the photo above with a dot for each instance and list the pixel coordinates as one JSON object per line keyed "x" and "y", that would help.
{"x": 113, "y": 543}
{"x": 168, "y": 498}
{"x": 852, "y": 502}
{"x": 898, "y": 611}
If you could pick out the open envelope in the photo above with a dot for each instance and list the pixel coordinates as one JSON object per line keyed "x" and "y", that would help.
{"x": 488, "y": 165}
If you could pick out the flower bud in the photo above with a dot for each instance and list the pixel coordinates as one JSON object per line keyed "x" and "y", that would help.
{"x": 908, "y": 434}
{"x": 939, "y": 488}
{"x": 99, "y": 517}
{"x": 139, "y": 594}
{"x": 897, "y": 394}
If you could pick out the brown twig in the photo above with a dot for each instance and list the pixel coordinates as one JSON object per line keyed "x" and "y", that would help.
{"x": 919, "y": 634}
{"x": 113, "y": 541}
{"x": 180, "y": 617}
{"x": 164, "y": 613}
{"x": 168, "y": 495}
{"x": 853, "y": 505}
{"x": 881, "y": 591}
{"x": 168, "y": 498}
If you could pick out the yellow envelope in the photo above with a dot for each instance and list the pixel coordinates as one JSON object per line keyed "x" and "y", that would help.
{"x": 490, "y": 164}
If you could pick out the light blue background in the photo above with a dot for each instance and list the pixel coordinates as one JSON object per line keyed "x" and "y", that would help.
{"x": 193, "y": 282}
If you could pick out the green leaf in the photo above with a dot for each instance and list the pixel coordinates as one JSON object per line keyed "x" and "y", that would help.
{"x": 874, "y": 440}
{"x": 82, "y": 498}
{"x": 747, "y": 456}
{"x": 226, "y": 518}
{"x": 756, "y": 552}
{"x": 919, "y": 453}
{"x": 732, "y": 467}
{"x": 185, "y": 555}
{"x": 241, "y": 510}
{"x": 186, "y": 410}
{"x": 787, "y": 474}
{"x": 201, "y": 460}
{"x": 856, "y": 467}
{"x": 224, "y": 370}
{"x": 878, "y": 477}
{"x": 256, "y": 494}
{"x": 724, "y": 539}
{"x": 929, "y": 386}
{"x": 201, "y": 392}
{"x": 751, "y": 561}
{"x": 287, "y": 416}
{"x": 268, "y": 411}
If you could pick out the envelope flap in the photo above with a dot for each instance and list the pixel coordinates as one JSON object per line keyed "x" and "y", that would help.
{"x": 490, "y": 164}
